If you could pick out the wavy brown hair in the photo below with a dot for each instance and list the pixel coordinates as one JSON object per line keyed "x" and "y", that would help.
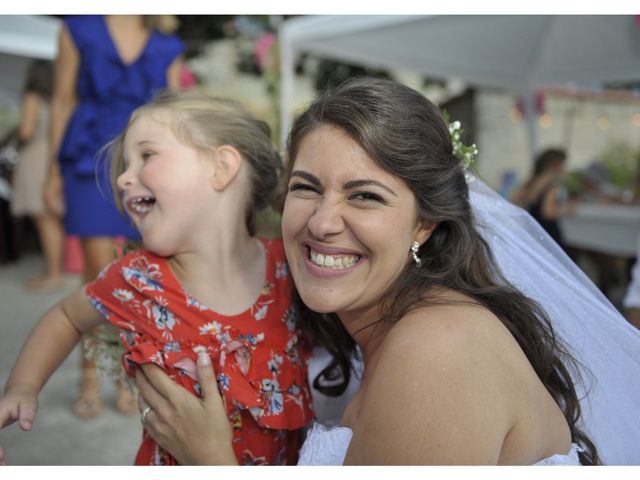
{"x": 39, "y": 78}
{"x": 406, "y": 135}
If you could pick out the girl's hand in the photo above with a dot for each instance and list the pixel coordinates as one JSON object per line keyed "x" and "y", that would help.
{"x": 19, "y": 403}
{"x": 195, "y": 431}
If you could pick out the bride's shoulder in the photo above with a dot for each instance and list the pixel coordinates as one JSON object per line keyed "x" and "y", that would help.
{"x": 454, "y": 335}
{"x": 450, "y": 318}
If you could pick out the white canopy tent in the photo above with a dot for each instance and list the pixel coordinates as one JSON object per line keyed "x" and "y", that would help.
{"x": 519, "y": 53}
{"x": 33, "y": 36}
{"x": 22, "y": 38}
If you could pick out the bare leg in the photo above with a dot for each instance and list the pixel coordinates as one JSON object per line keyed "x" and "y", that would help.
{"x": 126, "y": 399}
{"x": 89, "y": 403}
{"x": 51, "y": 237}
{"x": 98, "y": 252}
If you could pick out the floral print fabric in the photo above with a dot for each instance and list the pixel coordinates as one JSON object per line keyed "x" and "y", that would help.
{"x": 259, "y": 357}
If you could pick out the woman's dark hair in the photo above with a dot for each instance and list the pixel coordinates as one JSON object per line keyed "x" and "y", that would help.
{"x": 39, "y": 78}
{"x": 547, "y": 159}
{"x": 406, "y": 135}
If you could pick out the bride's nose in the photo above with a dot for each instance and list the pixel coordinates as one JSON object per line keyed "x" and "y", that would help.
{"x": 327, "y": 220}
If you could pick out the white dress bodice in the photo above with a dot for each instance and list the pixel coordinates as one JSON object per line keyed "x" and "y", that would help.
{"x": 328, "y": 446}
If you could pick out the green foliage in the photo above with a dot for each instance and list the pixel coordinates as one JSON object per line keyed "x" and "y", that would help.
{"x": 573, "y": 182}
{"x": 620, "y": 166}
{"x": 268, "y": 223}
{"x": 621, "y": 161}
{"x": 330, "y": 74}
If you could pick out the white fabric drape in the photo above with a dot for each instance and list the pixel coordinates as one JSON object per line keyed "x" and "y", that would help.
{"x": 592, "y": 329}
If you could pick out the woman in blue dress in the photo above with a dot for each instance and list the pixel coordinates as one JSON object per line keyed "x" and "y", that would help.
{"x": 107, "y": 66}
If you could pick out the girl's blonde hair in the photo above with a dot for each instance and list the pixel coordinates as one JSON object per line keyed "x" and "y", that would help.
{"x": 207, "y": 122}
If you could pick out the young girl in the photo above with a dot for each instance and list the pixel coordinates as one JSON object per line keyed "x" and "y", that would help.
{"x": 192, "y": 171}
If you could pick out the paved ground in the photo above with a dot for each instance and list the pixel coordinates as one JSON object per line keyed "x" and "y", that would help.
{"x": 58, "y": 437}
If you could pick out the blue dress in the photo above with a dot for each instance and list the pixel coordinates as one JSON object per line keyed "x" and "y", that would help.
{"x": 108, "y": 90}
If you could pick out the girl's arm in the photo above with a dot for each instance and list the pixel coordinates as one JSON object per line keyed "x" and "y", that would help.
{"x": 28, "y": 117}
{"x": 195, "y": 431}
{"x": 63, "y": 102}
{"x": 48, "y": 344}
{"x": 174, "y": 73}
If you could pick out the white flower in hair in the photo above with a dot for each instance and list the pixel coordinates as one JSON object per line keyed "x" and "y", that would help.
{"x": 466, "y": 153}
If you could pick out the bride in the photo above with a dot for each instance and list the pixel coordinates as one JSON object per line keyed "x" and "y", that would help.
{"x": 481, "y": 342}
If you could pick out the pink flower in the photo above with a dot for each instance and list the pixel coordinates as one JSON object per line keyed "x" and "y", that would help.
{"x": 187, "y": 78}
{"x": 262, "y": 47}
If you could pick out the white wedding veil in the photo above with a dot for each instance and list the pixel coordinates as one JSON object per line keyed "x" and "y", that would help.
{"x": 593, "y": 331}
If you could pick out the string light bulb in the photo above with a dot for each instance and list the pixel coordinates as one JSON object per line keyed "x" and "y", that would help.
{"x": 545, "y": 121}
{"x": 515, "y": 115}
{"x": 603, "y": 122}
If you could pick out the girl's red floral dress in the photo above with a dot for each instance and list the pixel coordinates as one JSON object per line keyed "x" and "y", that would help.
{"x": 259, "y": 356}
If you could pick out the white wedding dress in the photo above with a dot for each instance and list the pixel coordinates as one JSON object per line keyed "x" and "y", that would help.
{"x": 328, "y": 446}
{"x": 597, "y": 335}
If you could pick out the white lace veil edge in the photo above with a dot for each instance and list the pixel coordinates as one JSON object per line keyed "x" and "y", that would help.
{"x": 592, "y": 330}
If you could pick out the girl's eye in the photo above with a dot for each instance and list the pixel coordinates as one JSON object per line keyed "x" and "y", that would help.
{"x": 302, "y": 187}
{"x": 146, "y": 155}
{"x": 367, "y": 197}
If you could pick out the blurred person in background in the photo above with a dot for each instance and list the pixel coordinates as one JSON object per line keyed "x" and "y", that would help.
{"x": 542, "y": 194}
{"x": 31, "y": 172}
{"x": 107, "y": 66}
{"x": 631, "y": 299}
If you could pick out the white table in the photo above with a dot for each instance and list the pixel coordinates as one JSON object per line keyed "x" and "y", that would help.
{"x": 605, "y": 228}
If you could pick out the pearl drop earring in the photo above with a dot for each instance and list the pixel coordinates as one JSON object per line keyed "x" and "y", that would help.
{"x": 414, "y": 253}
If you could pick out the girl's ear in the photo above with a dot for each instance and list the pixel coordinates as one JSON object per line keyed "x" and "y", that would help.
{"x": 226, "y": 165}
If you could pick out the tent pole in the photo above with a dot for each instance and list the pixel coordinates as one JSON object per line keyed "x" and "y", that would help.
{"x": 287, "y": 74}
{"x": 530, "y": 119}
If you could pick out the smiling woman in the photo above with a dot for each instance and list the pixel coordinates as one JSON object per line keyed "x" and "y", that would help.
{"x": 373, "y": 175}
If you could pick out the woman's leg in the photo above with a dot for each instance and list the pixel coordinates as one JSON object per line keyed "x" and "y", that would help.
{"x": 51, "y": 235}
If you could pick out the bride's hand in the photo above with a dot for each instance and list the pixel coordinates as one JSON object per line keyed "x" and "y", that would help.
{"x": 195, "y": 431}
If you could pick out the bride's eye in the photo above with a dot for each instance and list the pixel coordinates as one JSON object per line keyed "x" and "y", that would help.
{"x": 303, "y": 187}
{"x": 367, "y": 197}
